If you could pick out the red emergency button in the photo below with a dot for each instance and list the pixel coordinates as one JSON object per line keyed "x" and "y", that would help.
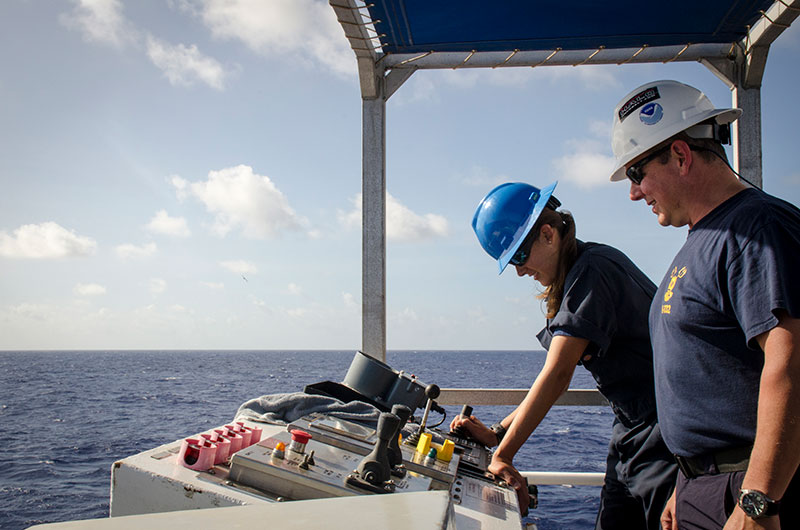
{"x": 299, "y": 436}
{"x": 299, "y": 441}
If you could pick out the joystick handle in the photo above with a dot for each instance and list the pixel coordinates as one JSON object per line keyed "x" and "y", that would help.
{"x": 466, "y": 411}
{"x": 374, "y": 468}
{"x": 395, "y": 454}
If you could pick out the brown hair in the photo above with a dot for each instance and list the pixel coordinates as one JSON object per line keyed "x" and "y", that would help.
{"x": 564, "y": 223}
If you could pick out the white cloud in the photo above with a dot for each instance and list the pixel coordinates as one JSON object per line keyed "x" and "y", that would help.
{"x": 162, "y": 223}
{"x": 402, "y": 224}
{"x": 88, "y": 289}
{"x": 301, "y": 31}
{"x": 478, "y": 315}
{"x": 45, "y": 241}
{"x": 294, "y": 289}
{"x": 428, "y": 87}
{"x": 156, "y": 285}
{"x": 217, "y": 286}
{"x": 481, "y": 177}
{"x": 587, "y": 165}
{"x": 240, "y": 198}
{"x": 100, "y": 21}
{"x": 467, "y": 78}
{"x": 420, "y": 88}
{"x": 181, "y": 186}
{"x": 239, "y": 266}
{"x": 593, "y": 77}
{"x": 601, "y": 130}
{"x": 185, "y": 65}
{"x": 297, "y": 312}
{"x": 30, "y": 311}
{"x": 405, "y": 316}
{"x": 261, "y": 304}
{"x": 129, "y": 250}
{"x": 349, "y": 300}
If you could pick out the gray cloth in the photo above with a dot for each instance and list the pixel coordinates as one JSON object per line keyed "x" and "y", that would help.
{"x": 282, "y": 409}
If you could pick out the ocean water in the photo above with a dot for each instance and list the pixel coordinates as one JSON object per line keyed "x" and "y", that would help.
{"x": 66, "y": 416}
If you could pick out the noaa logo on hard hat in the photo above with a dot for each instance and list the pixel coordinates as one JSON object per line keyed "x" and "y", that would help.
{"x": 651, "y": 114}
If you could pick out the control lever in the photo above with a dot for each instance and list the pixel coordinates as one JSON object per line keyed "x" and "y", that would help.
{"x": 432, "y": 392}
{"x": 533, "y": 496}
{"x": 395, "y": 454}
{"x": 459, "y": 431}
{"x": 373, "y": 472}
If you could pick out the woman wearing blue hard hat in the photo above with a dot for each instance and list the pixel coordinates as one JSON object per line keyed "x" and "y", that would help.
{"x": 597, "y": 302}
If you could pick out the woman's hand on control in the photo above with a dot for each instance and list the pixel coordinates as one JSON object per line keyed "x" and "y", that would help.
{"x": 475, "y": 429}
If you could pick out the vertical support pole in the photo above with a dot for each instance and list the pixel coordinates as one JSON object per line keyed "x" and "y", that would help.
{"x": 373, "y": 226}
{"x": 746, "y": 133}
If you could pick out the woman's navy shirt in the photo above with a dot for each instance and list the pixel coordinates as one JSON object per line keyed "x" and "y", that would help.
{"x": 606, "y": 301}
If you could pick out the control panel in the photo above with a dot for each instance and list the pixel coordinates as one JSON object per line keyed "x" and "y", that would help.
{"x": 276, "y": 466}
{"x": 359, "y": 439}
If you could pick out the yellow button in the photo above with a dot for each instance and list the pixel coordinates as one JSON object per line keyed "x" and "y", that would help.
{"x": 424, "y": 444}
{"x": 446, "y": 452}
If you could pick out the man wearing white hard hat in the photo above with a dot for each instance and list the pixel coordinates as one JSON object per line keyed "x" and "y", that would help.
{"x": 725, "y": 321}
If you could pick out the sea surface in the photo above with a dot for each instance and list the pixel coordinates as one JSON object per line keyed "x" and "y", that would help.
{"x": 66, "y": 416}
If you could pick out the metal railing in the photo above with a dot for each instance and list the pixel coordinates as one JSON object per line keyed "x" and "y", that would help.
{"x": 513, "y": 396}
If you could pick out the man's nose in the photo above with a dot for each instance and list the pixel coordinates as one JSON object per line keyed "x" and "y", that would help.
{"x": 636, "y": 192}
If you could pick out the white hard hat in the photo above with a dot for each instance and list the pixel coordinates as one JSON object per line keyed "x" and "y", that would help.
{"x": 655, "y": 112}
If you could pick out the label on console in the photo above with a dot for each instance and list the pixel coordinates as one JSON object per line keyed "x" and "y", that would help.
{"x": 488, "y": 493}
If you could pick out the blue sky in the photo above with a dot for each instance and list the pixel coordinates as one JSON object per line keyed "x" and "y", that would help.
{"x": 186, "y": 174}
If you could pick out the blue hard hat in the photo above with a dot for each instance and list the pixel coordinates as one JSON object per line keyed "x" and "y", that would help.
{"x": 506, "y": 215}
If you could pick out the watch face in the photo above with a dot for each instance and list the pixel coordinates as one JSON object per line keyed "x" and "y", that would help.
{"x": 753, "y": 504}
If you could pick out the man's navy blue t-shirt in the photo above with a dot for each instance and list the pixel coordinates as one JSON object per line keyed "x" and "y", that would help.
{"x": 739, "y": 266}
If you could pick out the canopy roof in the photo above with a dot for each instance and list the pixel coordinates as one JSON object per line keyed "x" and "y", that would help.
{"x": 415, "y": 34}
{"x": 414, "y": 26}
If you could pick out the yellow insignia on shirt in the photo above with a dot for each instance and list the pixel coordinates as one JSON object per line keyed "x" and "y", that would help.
{"x": 674, "y": 275}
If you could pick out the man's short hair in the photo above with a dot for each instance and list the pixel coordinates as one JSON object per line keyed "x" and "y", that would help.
{"x": 706, "y": 144}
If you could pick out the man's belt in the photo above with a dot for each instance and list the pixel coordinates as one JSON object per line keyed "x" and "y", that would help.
{"x": 726, "y": 461}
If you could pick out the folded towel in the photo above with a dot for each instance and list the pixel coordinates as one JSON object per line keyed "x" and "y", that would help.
{"x": 282, "y": 409}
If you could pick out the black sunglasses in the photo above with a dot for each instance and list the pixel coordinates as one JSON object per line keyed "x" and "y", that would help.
{"x": 524, "y": 250}
{"x": 521, "y": 255}
{"x": 635, "y": 173}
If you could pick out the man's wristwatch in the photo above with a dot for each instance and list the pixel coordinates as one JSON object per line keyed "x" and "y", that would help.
{"x": 499, "y": 431}
{"x": 757, "y": 505}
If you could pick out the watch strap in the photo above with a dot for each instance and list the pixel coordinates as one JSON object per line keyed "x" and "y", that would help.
{"x": 499, "y": 431}
{"x": 771, "y": 507}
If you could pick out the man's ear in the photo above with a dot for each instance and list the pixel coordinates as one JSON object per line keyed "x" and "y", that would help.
{"x": 682, "y": 154}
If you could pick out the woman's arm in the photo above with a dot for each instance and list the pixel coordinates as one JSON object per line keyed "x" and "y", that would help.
{"x": 562, "y": 357}
{"x": 552, "y": 381}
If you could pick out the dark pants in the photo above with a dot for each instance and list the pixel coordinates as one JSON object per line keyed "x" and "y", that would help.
{"x": 640, "y": 476}
{"x": 706, "y": 502}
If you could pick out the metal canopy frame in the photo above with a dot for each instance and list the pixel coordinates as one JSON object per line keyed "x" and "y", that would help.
{"x": 739, "y": 64}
